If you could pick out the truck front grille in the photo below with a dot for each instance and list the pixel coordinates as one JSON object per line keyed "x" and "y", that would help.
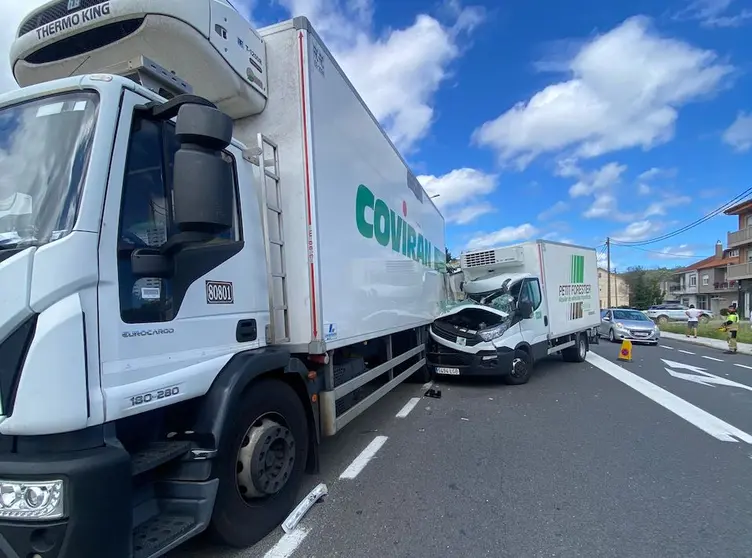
{"x": 450, "y": 334}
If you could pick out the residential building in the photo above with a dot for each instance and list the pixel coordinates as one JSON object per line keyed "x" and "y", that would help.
{"x": 741, "y": 240}
{"x": 619, "y": 289}
{"x": 706, "y": 284}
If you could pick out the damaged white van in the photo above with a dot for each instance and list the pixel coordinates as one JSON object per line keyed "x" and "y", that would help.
{"x": 524, "y": 303}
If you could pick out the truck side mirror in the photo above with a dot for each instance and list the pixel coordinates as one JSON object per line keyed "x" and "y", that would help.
{"x": 525, "y": 309}
{"x": 202, "y": 180}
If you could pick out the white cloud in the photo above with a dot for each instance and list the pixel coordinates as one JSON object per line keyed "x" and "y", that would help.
{"x": 556, "y": 237}
{"x": 556, "y": 209}
{"x": 605, "y": 177}
{"x": 643, "y": 189}
{"x": 639, "y": 230}
{"x": 660, "y": 207}
{"x": 603, "y": 206}
{"x": 739, "y": 134}
{"x": 399, "y": 71}
{"x": 459, "y": 193}
{"x": 503, "y": 236}
{"x": 673, "y": 252}
{"x": 624, "y": 90}
{"x": 12, "y": 13}
{"x": 714, "y": 13}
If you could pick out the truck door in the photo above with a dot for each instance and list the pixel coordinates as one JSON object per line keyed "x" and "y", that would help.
{"x": 165, "y": 339}
{"x": 535, "y": 329}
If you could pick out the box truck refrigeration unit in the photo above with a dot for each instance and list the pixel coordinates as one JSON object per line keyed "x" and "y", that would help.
{"x": 185, "y": 313}
{"x": 524, "y": 302}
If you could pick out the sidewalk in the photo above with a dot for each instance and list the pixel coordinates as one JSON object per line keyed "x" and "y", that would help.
{"x": 742, "y": 348}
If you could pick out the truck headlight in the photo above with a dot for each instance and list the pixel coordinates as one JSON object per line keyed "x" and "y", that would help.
{"x": 36, "y": 501}
{"x": 493, "y": 332}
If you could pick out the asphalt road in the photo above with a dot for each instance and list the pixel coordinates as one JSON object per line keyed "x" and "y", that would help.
{"x": 594, "y": 459}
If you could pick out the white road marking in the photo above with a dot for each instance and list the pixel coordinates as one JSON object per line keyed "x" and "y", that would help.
{"x": 287, "y": 544}
{"x": 703, "y": 420}
{"x": 409, "y": 406}
{"x": 667, "y": 347}
{"x": 743, "y": 366}
{"x": 712, "y": 358}
{"x": 360, "y": 462}
{"x": 685, "y": 352}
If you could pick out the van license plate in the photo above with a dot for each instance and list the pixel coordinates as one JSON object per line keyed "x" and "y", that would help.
{"x": 448, "y": 371}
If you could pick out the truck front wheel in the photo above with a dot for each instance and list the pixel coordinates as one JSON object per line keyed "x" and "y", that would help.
{"x": 260, "y": 464}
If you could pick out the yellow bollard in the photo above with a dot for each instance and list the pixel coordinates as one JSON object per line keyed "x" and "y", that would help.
{"x": 625, "y": 353}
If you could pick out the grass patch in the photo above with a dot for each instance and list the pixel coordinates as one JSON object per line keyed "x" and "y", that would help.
{"x": 709, "y": 330}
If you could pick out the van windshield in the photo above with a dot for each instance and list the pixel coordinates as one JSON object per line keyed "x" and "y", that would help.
{"x": 45, "y": 146}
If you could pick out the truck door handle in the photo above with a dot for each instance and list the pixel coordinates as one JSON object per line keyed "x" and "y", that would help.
{"x": 246, "y": 331}
{"x": 545, "y": 321}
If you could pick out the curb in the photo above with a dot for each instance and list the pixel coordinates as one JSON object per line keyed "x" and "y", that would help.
{"x": 743, "y": 348}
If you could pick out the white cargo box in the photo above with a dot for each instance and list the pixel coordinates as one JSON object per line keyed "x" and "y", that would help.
{"x": 363, "y": 243}
{"x": 568, "y": 275}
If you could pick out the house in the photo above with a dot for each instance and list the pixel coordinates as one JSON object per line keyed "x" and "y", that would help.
{"x": 619, "y": 289}
{"x": 706, "y": 284}
{"x": 741, "y": 240}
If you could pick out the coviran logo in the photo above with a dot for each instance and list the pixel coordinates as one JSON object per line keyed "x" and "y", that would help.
{"x": 389, "y": 228}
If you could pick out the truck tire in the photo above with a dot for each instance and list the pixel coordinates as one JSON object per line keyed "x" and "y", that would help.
{"x": 260, "y": 464}
{"x": 576, "y": 353}
{"x": 522, "y": 369}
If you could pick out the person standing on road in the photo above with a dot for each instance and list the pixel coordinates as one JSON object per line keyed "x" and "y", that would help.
{"x": 693, "y": 318}
{"x": 732, "y": 327}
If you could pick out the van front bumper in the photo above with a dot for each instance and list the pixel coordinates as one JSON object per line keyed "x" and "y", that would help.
{"x": 444, "y": 361}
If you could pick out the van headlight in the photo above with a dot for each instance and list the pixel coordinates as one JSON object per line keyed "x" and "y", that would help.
{"x": 35, "y": 501}
{"x": 493, "y": 332}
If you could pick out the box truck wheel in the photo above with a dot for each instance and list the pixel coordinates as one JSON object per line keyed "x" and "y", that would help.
{"x": 522, "y": 368}
{"x": 578, "y": 352}
{"x": 260, "y": 464}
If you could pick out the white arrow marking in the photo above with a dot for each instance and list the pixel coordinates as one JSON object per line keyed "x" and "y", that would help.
{"x": 680, "y": 365}
{"x": 705, "y": 378}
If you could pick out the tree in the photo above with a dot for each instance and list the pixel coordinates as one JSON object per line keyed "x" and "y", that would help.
{"x": 449, "y": 256}
{"x": 644, "y": 286}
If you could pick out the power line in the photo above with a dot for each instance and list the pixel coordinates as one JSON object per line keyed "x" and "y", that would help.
{"x": 654, "y": 251}
{"x": 691, "y": 225}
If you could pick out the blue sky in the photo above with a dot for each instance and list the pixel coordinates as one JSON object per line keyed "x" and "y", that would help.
{"x": 565, "y": 120}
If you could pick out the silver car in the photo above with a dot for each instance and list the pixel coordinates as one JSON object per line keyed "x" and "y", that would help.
{"x": 624, "y": 323}
{"x": 664, "y": 313}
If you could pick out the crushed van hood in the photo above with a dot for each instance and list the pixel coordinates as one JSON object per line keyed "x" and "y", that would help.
{"x": 467, "y": 319}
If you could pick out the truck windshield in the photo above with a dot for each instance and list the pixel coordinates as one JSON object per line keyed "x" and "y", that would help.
{"x": 45, "y": 147}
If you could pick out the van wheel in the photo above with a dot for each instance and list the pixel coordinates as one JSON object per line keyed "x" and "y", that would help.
{"x": 577, "y": 352}
{"x": 260, "y": 464}
{"x": 522, "y": 368}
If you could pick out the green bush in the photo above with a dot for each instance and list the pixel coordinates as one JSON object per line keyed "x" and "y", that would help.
{"x": 708, "y": 330}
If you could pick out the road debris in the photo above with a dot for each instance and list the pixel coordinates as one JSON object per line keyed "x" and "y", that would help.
{"x": 302, "y": 508}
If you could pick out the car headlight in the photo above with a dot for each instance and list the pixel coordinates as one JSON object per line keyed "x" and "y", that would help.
{"x": 36, "y": 501}
{"x": 493, "y": 332}
{"x": 619, "y": 325}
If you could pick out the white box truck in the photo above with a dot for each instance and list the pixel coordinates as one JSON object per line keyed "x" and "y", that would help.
{"x": 524, "y": 302}
{"x": 211, "y": 256}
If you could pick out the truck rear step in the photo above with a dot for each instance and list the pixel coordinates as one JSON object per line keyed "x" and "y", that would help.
{"x": 160, "y": 533}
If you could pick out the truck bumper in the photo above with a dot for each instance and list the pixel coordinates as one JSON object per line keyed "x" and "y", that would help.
{"x": 444, "y": 361}
{"x": 97, "y": 502}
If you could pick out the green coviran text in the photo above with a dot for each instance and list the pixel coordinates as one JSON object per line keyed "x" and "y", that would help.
{"x": 390, "y": 229}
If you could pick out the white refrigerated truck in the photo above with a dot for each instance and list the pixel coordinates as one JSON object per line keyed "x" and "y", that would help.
{"x": 211, "y": 256}
{"x": 524, "y": 302}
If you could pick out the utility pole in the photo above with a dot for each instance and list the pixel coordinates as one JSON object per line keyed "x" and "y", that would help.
{"x": 608, "y": 271}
